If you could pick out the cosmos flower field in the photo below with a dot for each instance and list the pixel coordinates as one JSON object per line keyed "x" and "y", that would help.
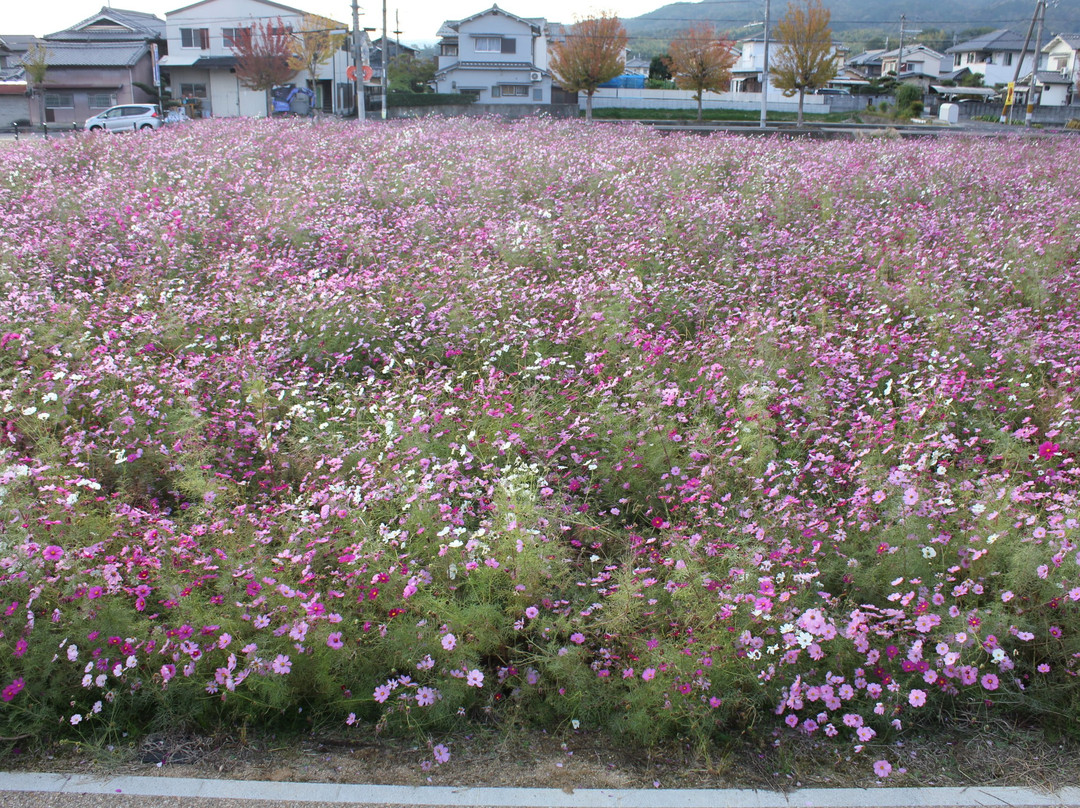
{"x": 418, "y": 426}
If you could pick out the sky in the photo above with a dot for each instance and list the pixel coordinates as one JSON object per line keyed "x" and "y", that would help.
{"x": 419, "y": 20}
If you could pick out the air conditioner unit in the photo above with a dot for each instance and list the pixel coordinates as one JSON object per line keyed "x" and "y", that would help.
{"x": 535, "y": 76}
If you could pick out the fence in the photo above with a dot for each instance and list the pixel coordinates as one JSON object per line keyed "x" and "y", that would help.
{"x": 479, "y": 110}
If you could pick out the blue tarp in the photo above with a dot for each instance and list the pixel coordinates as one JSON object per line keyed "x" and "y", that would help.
{"x": 629, "y": 81}
{"x": 285, "y": 98}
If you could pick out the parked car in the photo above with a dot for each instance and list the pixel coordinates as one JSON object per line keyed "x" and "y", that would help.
{"x": 126, "y": 118}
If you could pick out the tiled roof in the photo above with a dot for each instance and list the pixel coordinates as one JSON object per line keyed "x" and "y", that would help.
{"x": 97, "y": 54}
{"x": 134, "y": 25}
{"x": 1002, "y": 39}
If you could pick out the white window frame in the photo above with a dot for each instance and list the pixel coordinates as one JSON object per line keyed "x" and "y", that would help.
{"x": 486, "y": 41}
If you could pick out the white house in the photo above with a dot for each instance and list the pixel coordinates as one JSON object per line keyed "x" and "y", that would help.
{"x": 746, "y": 73}
{"x": 496, "y": 57}
{"x": 993, "y": 56}
{"x": 919, "y": 64}
{"x": 1060, "y": 70}
{"x": 201, "y": 66}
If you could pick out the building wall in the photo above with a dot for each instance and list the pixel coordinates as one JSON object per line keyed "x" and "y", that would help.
{"x": 13, "y": 108}
{"x": 77, "y": 82}
{"x": 530, "y": 49}
{"x": 225, "y": 99}
{"x": 684, "y": 99}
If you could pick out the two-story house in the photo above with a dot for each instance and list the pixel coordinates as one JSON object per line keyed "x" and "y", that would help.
{"x": 993, "y": 56}
{"x": 1059, "y": 70}
{"x": 919, "y": 65}
{"x": 106, "y": 59}
{"x": 201, "y": 66}
{"x": 496, "y": 57}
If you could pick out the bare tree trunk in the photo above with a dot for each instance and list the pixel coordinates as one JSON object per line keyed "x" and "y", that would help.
{"x": 588, "y": 107}
{"x": 802, "y": 94}
{"x": 699, "y": 94}
{"x": 269, "y": 104}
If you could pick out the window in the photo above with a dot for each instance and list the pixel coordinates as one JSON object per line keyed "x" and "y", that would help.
{"x": 1008, "y": 59}
{"x": 956, "y": 60}
{"x": 195, "y": 38}
{"x": 489, "y": 44}
{"x": 59, "y": 101}
{"x": 273, "y": 30}
{"x": 101, "y": 100}
{"x": 509, "y": 91}
{"x": 538, "y": 95}
{"x": 193, "y": 90}
{"x": 509, "y": 45}
{"x": 235, "y": 37}
{"x": 448, "y": 50}
{"x": 1060, "y": 63}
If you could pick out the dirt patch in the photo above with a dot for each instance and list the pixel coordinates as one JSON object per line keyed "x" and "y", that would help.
{"x": 1000, "y": 755}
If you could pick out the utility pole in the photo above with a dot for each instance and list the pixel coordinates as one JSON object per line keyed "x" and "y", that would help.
{"x": 900, "y": 53}
{"x": 358, "y": 63}
{"x": 1007, "y": 108}
{"x": 385, "y": 60}
{"x": 765, "y": 69}
{"x": 1040, "y": 9}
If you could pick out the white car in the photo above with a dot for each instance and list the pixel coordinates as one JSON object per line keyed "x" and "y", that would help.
{"x": 126, "y": 118}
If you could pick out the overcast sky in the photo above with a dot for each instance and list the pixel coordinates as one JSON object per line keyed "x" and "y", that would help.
{"x": 419, "y": 19}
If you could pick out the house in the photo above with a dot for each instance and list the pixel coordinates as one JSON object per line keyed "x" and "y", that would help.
{"x": 747, "y": 71}
{"x": 14, "y": 102}
{"x": 867, "y": 65}
{"x": 1060, "y": 70}
{"x": 393, "y": 50}
{"x": 496, "y": 57}
{"x": 919, "y": 65}
{"x": 638, "y": 66}
{"x": 200, "y": 68}
{"x": 104, "y": 60}
{"x": 994, "y": 56}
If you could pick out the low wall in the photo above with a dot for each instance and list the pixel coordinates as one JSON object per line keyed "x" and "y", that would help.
{"x": 628, "y": 98}
{"x": 1044, "y": 115}
{"x": 480, "y": 110}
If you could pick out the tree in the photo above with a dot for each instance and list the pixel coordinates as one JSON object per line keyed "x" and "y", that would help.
{"x": 314, "y": 45}
{"x": 36, "y": 64}
{"x": 408, "y": 74}
{"x": 700, "y": 60}
{"x": 658, "y": 68}
{"x": 262, "y": 59}
{"x": 805, "y": 59}
{"x": 593, "y": 52}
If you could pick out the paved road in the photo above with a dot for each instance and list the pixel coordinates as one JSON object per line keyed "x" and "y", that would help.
{"x": 30, "y": 790}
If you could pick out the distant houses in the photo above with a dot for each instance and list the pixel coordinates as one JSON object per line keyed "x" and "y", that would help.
{"x": 494, "y": 57}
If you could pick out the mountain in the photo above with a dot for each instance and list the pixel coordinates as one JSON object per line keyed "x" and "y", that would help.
{"x": 854, "y": 20}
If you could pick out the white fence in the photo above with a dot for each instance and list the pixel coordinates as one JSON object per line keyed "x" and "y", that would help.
{"x": 628, "y": 98}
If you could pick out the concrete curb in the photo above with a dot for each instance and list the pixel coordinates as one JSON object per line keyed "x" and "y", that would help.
{"x": 336, "y": 793}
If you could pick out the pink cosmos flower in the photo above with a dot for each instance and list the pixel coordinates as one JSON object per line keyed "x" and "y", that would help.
{"x": 648, "y": 674}
{"x": 281, "y": 664}
{"x": 382, "y": 693}
{"x": 53, "y": 553}
{"x": 989, "y": 681}
{"x": 333, "y": 640}
{"x": 911, "y": 496}
{"x": 917, "y": 698}
{"x": 532, "y": 612}
{"x": 425, "y": 696}
{"x": 448, "y": 642}
{"x": 441, "y": 753}
{"x": 475, "y": 678}
{"x": 882, "y": 768}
